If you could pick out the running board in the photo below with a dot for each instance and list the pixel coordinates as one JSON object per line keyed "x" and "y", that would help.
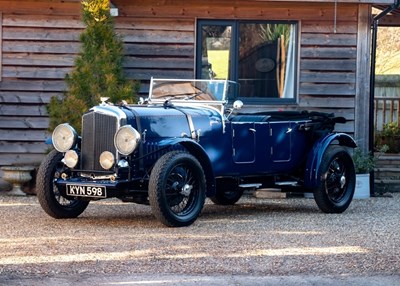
{"x": 288, "y": 183}
{"x": 250, "y": 186}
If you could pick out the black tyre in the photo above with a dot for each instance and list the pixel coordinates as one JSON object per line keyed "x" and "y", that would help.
{"x": 228, "y": 193}
{"x": 52, "y": 202}
{"x": 337, "y": 181}
{"x": 177, "y": 189}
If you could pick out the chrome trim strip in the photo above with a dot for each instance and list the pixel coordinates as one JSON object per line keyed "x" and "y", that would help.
{"x": 191, "y": 126}
{"x": 103, "y": 177}
{"x": 112, "y": 111}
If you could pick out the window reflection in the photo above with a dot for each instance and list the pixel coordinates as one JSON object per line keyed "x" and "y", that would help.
{"x": 216, "y": 51}
{"x": 260, "y": 56}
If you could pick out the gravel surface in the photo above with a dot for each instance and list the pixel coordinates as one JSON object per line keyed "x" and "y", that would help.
{"x": 255, "y": 237}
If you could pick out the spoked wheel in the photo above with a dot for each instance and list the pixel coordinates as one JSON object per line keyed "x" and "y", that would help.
{"x": 177, "y": 189}
{"x": 337, "y": 181}
{"x": 52, "y": 202}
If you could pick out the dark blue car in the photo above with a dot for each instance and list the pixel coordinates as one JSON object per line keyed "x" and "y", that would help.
{"x": 184, "y": 144}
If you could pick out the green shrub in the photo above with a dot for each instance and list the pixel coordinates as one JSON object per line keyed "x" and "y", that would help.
{"x": 98, "y": 70}
{"x": 390, "y": 136}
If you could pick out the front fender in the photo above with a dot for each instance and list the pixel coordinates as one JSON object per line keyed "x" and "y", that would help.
{"x": 198, "y": 151}
{"x": 315, "y": 156}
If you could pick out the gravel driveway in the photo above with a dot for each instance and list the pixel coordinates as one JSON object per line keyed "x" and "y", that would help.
{"x": 255, "y": 237}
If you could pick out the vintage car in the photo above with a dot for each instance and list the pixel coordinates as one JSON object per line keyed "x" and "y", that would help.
{"x": 185, "y": 143}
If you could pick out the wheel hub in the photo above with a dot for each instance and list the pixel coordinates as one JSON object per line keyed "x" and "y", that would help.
{"x": 342, "y": 182}
{"x": 186, "y": 189}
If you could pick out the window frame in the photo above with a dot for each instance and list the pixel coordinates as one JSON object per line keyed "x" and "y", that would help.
{"x": 234, "y": 56}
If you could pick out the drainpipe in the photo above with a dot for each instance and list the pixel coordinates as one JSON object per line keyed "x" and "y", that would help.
{"x": 375, "y": 23}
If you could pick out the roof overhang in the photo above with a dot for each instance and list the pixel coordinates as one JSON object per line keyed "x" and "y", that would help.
{"x": 381, "y": 2}
{"x": 390, "y": 19}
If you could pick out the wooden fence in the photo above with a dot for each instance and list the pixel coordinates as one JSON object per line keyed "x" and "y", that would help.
{"x": 387, "y": 109}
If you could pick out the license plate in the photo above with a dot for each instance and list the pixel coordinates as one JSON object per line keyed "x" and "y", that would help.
{"x": 86, "y": 191}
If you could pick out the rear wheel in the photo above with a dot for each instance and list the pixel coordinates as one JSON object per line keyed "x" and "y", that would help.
{"x": 228, "y": 193}
{"x": 337, "y": 181}
{"x": 50, "y": 199}
{"x": 177, "y": 189}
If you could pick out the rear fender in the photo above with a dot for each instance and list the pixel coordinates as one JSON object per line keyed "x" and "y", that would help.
{"x": 196, "y": 150}
{"x": 318, "y": 150}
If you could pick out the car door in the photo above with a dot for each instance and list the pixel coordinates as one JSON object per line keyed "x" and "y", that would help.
{"x": 243, "y": 142}
{"x": 281, "y": 141}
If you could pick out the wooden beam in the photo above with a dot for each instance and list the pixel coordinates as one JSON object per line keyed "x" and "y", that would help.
{"x": 271, "y": 10}
{"x": 327, "y": 77}
{"x": 159, "y": 49}
{"x": 327, "y": 89}
{"x": 41, "y": 7}
{"x": 328, "y": 64}
{"x": 23, "y": 46}
{"x": 390, "y": 21}
{"x": 40, "y": 21}
{"x": 325, "y": 102}
{"x": 33, "y": 85}
{"x": 13, "y": 122}
{"x": 40, "y": 34}
{"x": 23, "y": 147}
{"x": 363, "y": 76}
{"x": 328, "y": 39}
{"x": 329, "y": 52}
{"x": 22, "y": 97}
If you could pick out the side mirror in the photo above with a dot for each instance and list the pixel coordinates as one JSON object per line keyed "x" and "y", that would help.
{"x": 238, "y": 104}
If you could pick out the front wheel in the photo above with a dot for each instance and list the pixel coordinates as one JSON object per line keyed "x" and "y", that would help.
{"x": 177, "y": 189}
{"x": 336, "y": 182}
{"x": 50, "y": 199}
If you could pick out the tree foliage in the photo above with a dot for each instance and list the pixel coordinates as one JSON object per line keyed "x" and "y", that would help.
{"x": 98, "y": 70}
{"x": 388, "y": 50}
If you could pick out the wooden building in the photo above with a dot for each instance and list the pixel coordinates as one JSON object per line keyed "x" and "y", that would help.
{"x": 326, "y": 60}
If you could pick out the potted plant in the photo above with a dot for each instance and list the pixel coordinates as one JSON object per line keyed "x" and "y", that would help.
{"x": 390, "y": 136}
{"x": 364, "y": 164}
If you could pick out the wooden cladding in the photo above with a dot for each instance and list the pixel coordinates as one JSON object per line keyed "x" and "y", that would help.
{"x": 328, "y": 63}
{"x": 39, "y": 43}
{"x": 159, "y": 47}
{"x": 41, "y": 39}
{"x": 253, "y": 10}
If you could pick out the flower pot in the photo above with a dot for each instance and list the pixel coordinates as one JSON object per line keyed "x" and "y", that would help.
{"x": 362, "y": 190}
{"x": 17, "y": 176}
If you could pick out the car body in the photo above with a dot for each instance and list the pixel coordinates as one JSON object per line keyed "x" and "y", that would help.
{"x": 187, "y": 142}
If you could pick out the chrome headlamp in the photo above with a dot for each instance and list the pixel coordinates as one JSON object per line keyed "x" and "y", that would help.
{"x": 107, "y": 160}
{"x": 64, "y": 137}
{"x": 71, "y": 158}
{"x": 126, "y": 139}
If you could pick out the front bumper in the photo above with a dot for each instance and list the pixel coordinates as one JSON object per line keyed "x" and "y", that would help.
{"x": 118, "y": 188}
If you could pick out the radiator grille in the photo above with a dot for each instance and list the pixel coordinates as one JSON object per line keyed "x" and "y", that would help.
{"x": 97, "y": 136}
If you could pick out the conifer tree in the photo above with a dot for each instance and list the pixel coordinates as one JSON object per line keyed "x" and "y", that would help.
{"x": 98, "y": 70}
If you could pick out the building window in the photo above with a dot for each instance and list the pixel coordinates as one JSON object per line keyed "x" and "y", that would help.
{"x": 260, "y": 56}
